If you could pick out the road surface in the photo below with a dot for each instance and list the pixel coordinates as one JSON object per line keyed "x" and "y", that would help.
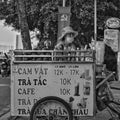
{"x": 4, "y": 91}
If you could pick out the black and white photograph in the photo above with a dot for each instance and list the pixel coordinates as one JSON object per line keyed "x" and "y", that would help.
{"x": 59, "y": 59}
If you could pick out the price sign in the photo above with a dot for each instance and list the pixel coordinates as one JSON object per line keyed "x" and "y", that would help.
{"x": 71, "y": 82}
{"x": 111, "y": 37}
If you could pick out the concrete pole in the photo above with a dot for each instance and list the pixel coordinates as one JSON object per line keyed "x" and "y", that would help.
{"x": 118, "y": 58}
{"x": 95, "y": 20}
{"x": 64, "y": 3}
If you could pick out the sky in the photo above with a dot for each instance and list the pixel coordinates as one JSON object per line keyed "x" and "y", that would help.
{"x": 7, "y": 35}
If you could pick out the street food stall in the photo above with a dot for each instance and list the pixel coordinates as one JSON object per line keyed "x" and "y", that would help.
{"x": 49, "y": 86}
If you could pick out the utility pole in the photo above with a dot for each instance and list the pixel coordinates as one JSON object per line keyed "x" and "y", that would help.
{"x": 95, "y": 20}
{"x": 64, "y": 3}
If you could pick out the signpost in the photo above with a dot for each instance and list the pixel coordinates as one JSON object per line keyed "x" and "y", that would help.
{"x": 112, "y": 38}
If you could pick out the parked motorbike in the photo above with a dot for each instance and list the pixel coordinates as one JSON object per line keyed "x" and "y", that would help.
{"x": 105, "y": 98}
{"x": 5, "y": 67}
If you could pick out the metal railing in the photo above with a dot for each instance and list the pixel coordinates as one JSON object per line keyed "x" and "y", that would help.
{"x": 29, "y": 56}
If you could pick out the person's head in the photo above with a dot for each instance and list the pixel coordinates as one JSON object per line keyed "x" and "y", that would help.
{"x": 69, "y": 38}
{"x": 47, "y": 43}
{"x": 68, "y": 35}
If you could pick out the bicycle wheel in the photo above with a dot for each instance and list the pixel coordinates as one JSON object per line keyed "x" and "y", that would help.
{"x": 51, "y": 108}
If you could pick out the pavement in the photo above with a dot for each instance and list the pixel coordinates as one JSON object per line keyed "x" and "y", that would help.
{"x": 5, "y": 114}
{"x": 4, "y": 97}
{"x": 4, "y": 91}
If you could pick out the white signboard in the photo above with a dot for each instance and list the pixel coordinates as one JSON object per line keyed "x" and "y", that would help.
{"x": 111, "y": 37}
{"x": 113, "y": 22}
{"x": 30, "y": 82}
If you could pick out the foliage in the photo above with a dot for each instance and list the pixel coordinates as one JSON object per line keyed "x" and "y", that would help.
{"x": 42, "y": 15}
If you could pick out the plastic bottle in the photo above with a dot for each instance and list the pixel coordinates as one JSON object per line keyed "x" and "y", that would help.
{"x": 77, "y": 54}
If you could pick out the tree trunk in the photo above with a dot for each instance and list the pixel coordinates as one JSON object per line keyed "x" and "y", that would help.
{"x": 24, "y": 25}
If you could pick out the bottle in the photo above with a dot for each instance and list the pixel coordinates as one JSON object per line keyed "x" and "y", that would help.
{"x": 65, "y": 53}
{"x": 77, "y": 87}
{"x": 82, "y": 54}
{"x": 68, "y": 58}
{"x": 69, "y": 53}
{"x": 60, "y": 53}
{"x": 86, "y": 88}
{"x": 54, "y": 54}
{"x": 77, "y": 54}
{"x": 72, "y": 54}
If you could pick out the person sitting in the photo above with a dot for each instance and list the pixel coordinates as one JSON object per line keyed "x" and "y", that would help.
{"x": 66, "y": 40}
